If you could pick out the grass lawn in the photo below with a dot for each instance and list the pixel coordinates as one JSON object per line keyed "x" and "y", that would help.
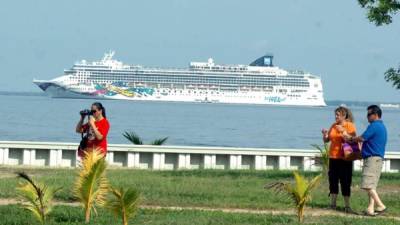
{"x": 74, "y": 215}
{"x": 206, "y": 188}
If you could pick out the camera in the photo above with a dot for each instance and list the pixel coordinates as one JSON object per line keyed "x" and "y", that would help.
{"x": 86, "y": 112}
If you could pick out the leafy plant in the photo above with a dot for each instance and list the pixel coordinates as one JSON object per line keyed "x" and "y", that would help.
{"x": 393, "y": 75}
{"x": 380, "y": 11}
{"x": 91, "y": 185}
{"x": 38, "y": 197}
{"x": 137, "y": 140}
{"x": 123, "y": 203}
{"x": 160, "y": 141}
{"x": 323, "y": 158}
{"x": 299, "y": 192}
{"x": 133, "y": 137}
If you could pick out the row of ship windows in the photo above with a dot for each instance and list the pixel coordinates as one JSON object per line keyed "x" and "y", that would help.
{"x": 204, "y": 80}
{"x": 223, "y": 94}
{"x": 217, "y": 93}
{"x": 217, "y": 68}
{"x": 190, "y": 78}
{"x": 205, "y": 92}
{"x": 158, "y": 77}
{"x": 191, "y": 92}
{"x": 304, "y": 84}
{"x": 183, "y": 75}
{"x": 136, "y": 70}
{"x": 258, "y": 83}
{"x": 174, "y": 72}
{"x": 201, "y": 86}
{"x": 222, "y": 83}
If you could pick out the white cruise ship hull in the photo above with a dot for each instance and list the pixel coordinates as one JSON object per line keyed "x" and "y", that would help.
{"x": 248, "y": 97}
{"x": 257, "y": 83}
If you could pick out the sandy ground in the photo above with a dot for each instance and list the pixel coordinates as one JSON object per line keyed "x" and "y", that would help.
{"x": 308, "y": 211}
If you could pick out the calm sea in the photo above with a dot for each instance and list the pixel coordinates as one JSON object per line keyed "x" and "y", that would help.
{"x": 40, "y": 118}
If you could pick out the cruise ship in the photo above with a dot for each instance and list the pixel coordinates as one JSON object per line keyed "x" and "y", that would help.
{"x": 260, "y": 82}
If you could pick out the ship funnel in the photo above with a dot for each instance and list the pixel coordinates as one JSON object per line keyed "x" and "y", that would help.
{"x": 265, "y": 61}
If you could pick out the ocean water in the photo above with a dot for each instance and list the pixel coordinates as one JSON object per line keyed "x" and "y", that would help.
{"x": 40, "y": 118}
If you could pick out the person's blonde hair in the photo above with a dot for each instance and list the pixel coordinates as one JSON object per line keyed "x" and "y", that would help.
{"x": 346, "y": 112}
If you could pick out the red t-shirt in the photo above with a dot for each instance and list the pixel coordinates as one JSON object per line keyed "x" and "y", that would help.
{"x": 102, "y": 126}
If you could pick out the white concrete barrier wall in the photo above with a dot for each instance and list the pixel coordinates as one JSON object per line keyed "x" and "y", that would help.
{"x": 54, "y": 154}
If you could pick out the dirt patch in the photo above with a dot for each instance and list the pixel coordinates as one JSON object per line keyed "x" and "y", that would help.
{"x": 389, "y": 189}
{"x": 7, "y": 172}
{"x": 308, "y": 212}
{"x": 8, "y": 201}
{"x": 14, "y": 201}
{"x": 6, "y": 175}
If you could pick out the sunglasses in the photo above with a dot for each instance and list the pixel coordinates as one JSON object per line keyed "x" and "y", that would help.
{"x": 369, "y": 114}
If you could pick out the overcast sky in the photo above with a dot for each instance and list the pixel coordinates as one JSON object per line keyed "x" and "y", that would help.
{"x": 332, "y": 39}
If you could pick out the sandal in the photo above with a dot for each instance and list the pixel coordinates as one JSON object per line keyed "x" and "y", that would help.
{"x": 366, "y": 213}
{"x": 381, "y": 211}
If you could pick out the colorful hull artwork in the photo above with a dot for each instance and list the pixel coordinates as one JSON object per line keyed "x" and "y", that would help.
{"x": 122, "y": 89}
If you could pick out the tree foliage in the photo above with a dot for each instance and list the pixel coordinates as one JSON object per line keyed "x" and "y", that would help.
{"x": 393, "y": 75}
{"x": 380, "y": 12}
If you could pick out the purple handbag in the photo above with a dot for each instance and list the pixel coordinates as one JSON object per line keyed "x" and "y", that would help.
{"x": 351, "y": 151}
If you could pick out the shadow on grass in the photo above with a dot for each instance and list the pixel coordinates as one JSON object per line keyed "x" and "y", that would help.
{"x": 268, "y": 174}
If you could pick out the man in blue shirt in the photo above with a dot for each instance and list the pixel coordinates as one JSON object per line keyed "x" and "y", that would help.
{"x": 373, "y": 151}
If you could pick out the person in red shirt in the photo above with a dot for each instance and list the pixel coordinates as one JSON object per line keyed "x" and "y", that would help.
{"x": 96, "y": 128}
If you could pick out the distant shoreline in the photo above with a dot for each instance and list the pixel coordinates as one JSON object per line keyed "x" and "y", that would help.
{"x": 22, "y": 93}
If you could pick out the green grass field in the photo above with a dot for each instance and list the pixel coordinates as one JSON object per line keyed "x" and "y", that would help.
{"x": 204, "y": 188}
{"x": 74, "y": 215}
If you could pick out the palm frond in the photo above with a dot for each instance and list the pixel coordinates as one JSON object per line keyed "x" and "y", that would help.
{"x": 284, "y": 189}
{"x": 323, "y": 158}
{"x": 123, "y": 203}
{"x": 312, "y": 185}
{"x": 276, "y": 186}
{"x": 160, "y": 141}
{"x": 292, "y": 194}
{"x": 300, "y": 185}
{"x": 314, "y": 182}
{"x": 324, "y": 150}
{"x": 91, "y": 185}
{"x": 133, "y": 137}
{"x": 299, "y": 191}
{"x": 38, "y": 197}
